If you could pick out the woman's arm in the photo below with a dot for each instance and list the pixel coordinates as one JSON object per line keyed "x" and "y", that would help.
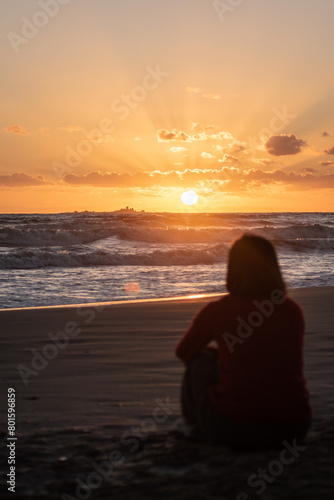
{"x": 197, "y": 337}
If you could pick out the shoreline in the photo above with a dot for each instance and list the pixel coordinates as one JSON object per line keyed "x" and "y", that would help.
{"x": 179, "y": 298}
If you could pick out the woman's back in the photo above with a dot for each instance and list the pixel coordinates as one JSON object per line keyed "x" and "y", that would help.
{"x": 260, "y": 359}
{"x": 255, "y": 377}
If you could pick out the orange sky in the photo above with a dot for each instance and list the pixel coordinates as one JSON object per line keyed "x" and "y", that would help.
{"x": 132, "y": 103}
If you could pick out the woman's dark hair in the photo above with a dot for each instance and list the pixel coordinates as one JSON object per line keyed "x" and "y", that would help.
{"x": 253, "y": 269}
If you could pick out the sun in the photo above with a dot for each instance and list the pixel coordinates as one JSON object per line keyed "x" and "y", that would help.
{"x": 189, "y": 198}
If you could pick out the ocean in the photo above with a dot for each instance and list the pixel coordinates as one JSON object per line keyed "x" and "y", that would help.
{"x": 76, "y": 258}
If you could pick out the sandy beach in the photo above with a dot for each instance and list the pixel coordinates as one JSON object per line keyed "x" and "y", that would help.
{"x": 99, "y": 384}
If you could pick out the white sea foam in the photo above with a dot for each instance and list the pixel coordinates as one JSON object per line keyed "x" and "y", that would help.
{"x": 88, "y": 257}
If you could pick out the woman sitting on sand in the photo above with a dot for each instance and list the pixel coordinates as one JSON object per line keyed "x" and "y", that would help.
{"x": 250, "y": 392}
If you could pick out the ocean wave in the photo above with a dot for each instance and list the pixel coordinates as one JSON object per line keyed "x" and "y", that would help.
{"x": 37, "y": 258}
{"x": 85, "y": 255}
{"x": 305, "y": 244}
{"x": 293, "y": 232}
{"x": 222, "y": 235}
{"x": 26, "y": 237}
{"x": 70, "y": 232}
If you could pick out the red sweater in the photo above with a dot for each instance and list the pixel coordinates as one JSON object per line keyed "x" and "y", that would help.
{"x": 260, "y": 353}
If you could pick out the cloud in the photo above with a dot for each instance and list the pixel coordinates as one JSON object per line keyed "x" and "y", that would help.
{"x": 330, "y": 151}
{"x": 230, "y": 159}
{"x": 199, "y": 133}
{"x": 199, "y": 127}
{"x": 203, "y": 136}
{"x": 21, "y": 179}
{"x": 325, "y": 134}
{"x": 238, "y": 147}
{"x": 212, "y": 96}
{"x": 227, "y": 179}
{"x": 326, "y": 163}
{"x": 177, "y": 149}
{"x": 310, "y": 169}
{"x": 252, "y": 181}
{"x": 146, "y": 179}
{"x": 207, "y": 156}
{"x": 137, "y": 138}
{"x": 15, "y": 129}
{"x": 262, "y": 161}
{"x": 174, "y": 135}
{"x": 280, "y": 145}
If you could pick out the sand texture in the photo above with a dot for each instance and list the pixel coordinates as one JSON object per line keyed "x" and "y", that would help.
{"x": 99, "y": 410}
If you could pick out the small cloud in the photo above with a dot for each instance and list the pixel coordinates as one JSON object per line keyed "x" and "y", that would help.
{"x": 199, "y": 127}
{"x": 174, "y": 135}
{"x": 230, "y": 159}
{"x": 330, "y": 151}
{"x": 326, "y": 163}
{"x": 212, "y": 96}
{"x": 193, "y": 90}
{"x": 15, "y": 129}
{"x": 44, "y": 130}
{"x": 280, "y": 145}
{"x": 310, "y": 170}
{"x": 325, "y": 134}
{"x": 137, "y": 138}
{"x": 219, "y": 136}
{"x": 202, "y": 133}
{"x": 178, "y": 149}
{"x": 262, "y": 161}
{"x": 238, "y": 148}
{"x": 71, "y": 128}
{"x": 21, "y": 179}
{"x": 207, "y": 156}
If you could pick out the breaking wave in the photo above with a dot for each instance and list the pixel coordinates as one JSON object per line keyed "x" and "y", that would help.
{"x": 40, "y": 237}
{"x": 36, "y": 258}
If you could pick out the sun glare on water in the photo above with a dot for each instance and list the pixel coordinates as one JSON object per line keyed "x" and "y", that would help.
{"x": 189, "y": 198}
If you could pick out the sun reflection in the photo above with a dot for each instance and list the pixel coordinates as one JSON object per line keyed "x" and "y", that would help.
{"x": 132, "y": 288}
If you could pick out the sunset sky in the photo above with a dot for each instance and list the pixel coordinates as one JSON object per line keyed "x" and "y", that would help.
{"x": 107, "y": 103}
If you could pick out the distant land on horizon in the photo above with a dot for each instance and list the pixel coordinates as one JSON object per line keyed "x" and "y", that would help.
{"x": 125, "y": 210}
